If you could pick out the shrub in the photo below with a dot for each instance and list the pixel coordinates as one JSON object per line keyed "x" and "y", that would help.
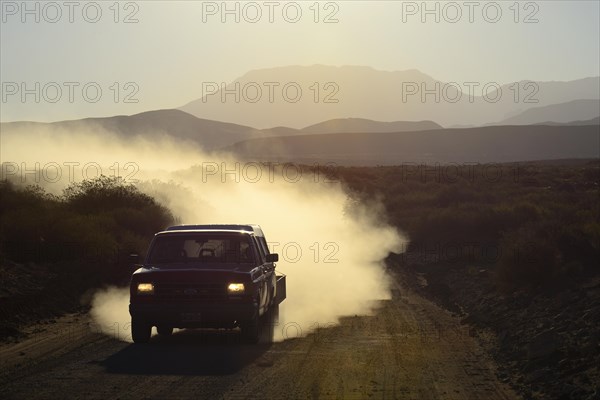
{"x": 94, "y": 221}
{"x": 530, "y": 257}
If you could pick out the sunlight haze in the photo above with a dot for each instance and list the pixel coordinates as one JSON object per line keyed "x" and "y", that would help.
{"x": 170, "y": 50}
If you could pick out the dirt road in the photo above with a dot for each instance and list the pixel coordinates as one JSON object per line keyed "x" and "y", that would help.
{"x": 410, "y": 349}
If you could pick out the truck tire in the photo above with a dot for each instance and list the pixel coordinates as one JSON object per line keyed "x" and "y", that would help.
{"x": 164, "y": 330}
{"x": 269, "y": 321}
{"x": 251, "y": 329}
{"x": 140, "y": 331}
{"x": 272, "y": 316}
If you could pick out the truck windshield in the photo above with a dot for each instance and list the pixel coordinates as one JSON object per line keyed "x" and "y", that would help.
{"x": 200, "y": 248}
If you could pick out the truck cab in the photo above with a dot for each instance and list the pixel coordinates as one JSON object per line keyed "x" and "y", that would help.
{"x": 205, "y": 276}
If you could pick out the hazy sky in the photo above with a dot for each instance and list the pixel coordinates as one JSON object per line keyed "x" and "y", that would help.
{"x": 161, "y": 57}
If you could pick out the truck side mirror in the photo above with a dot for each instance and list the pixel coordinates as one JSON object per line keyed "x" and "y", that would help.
{"x": 273, "y": 257}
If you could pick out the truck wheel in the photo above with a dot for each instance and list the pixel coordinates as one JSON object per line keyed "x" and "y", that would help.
{"x": 270, "y": 320}
{"x": 140, "y": 331}
{"x": 251, "y": 329}
{"x": 164, "y": 330}
{"x": 250, "y": 332}
{"x": 273, "y": 314}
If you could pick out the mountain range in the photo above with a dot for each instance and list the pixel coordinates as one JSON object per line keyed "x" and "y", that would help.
{"x": 351, "y": 141}
{"x": 359, "y": 115}
{"x": 297, "y": 96}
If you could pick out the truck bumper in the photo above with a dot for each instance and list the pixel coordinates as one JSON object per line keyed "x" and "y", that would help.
{"x": 194, "y": 315}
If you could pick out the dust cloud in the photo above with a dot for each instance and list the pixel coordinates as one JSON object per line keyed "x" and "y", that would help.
{"x": 330, "y": 247}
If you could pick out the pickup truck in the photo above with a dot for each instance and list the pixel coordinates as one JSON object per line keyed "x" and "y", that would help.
{"x": 205, "y": 276}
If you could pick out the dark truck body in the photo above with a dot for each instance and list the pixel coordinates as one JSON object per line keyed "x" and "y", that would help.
{"x": 205, "y": 276}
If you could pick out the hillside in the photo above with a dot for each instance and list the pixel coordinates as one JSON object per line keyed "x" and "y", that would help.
{"x": 356, "y": 125}
{"x": 577, "y": 110}
{"x": 178, "y": 124}
{"x": 210, "y": 135}
{"x": 488, "y": 144}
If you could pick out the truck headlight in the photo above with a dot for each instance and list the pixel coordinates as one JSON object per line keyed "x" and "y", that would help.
{"x": 145, "y": 288}
{"x": 235, "y": 288}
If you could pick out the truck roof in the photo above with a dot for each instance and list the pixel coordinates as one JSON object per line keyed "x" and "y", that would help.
{"x": 218, "y": 227}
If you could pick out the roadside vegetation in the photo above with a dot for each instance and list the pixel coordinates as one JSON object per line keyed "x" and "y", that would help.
{"x": 534, "y": 225}
{"x": 514, "y": 251}
{"x": 537, "y": 225}
{"x": 53, "y": 249}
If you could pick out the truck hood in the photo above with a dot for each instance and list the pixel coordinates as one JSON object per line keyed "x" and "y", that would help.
{"x": 188, "y": 273}
{"x": 197, "y": 267}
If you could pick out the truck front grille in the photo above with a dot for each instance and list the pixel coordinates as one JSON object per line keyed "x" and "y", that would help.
{"x": 191, "y": 291}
